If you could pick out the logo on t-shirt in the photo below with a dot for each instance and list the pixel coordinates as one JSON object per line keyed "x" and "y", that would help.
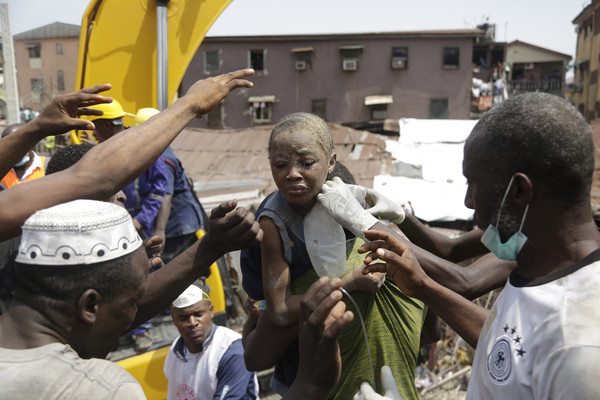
{"x": 499, "y": 361}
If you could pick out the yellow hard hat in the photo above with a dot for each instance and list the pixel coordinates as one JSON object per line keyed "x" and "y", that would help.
{"x": 111, "y": 111}
{"x": 144, "y": 114}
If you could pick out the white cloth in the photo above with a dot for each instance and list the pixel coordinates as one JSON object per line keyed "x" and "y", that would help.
{"x": 541, "y": 339}
{"x": 55, "y": 371}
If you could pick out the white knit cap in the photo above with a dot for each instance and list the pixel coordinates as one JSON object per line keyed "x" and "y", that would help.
{"x": 190, "y": 296}
{"x": 77, "y": 232}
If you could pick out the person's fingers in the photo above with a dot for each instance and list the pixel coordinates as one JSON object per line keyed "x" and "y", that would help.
{"x": 372, "y": 246}
{"x": 222, "y": 209}
{"x": 366, "y": 390}
{"x": 96, "y": 88}
{"x": 324, "y": 307}
{"x": 89, "y": 111}
{"x": 335, "y": 328}
{"x": 329, "y": 289}
{"x": 310, "y": 293}
{"x": 239, "y": 74}
{"x": 375, "y": 267}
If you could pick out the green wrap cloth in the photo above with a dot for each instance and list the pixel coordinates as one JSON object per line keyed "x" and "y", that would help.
{"x": 393, "y": 323}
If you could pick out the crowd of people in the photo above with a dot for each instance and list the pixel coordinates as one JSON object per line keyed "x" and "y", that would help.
{"x": 81, "y": 260}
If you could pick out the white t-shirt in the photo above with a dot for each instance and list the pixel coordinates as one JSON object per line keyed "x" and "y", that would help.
{"x": 55, "y": 371}
{"x": 541, "y": 339}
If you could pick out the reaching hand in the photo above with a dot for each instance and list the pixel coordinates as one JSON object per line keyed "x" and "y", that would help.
{"x": 399, "y": 262}
{"x": 61, "y": 114}
{"x": 389, "y": 386}
{"x": 322, "y": 318}
{"x": 341, "y": 204}
{"x": 232, "y": 228}
{"x": 369, "y": 282}
{"x": 383, "y": 207}
{"x": 206, "y": 94}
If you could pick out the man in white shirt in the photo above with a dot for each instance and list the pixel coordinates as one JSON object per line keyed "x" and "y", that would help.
{"x": 207, "y": 360}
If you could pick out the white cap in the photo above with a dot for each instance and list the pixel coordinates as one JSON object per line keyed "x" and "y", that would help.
{"x": 190, "y": 296}
{"x": 77, "y": 232}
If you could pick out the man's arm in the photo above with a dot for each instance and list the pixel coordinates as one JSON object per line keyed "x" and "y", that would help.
{"x": 233, "y": 378}
{"x": 230, "y": 229}
{"x": 452, "y": 249}
{"x": 58, "y": 117}
{"x": 151, "y": 203}
{"x": 111, "y": 165}
{"x": 465, "y": 317}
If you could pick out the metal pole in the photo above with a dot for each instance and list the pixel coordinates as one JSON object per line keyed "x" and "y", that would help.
{"x": 10, "y": 71}
{"x": 162, "y": 54}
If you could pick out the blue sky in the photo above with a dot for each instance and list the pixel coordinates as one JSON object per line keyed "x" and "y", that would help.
{"x": 545, "y": 23}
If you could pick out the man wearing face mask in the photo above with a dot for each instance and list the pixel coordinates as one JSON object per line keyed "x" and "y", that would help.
{"x": 529, "y": 165}
{"x": 30, "y": 167}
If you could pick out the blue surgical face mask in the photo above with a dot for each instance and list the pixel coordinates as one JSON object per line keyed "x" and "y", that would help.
{"x": 23, "y": 161}
{"x": 491, "y": 237}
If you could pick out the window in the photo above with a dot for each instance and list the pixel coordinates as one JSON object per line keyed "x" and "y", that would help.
{"x": 350, "y": 57}
{"x": 399, "y": 57}
{"x": 451, "y": 57}
{"x": 59, "y": 50}
{"x": 61, "y": 80}
{"x": 257, "y": 60}
{"x": 303, "y": 59}
{"x": 438, "y": 108}
{"x": 261, "y": 108}
{"x": 319, "y": 108}
{"x": 378, "y": 105}
{"x": 36, "y": 85}
{"x": 214, "y": 118}
{"x": 34, "y": 49}
{"x": 211, "y": 61}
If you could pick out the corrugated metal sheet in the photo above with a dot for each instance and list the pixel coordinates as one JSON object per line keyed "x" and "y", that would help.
{"x": 220, "y": 161}
{"x": 54, "y": 30}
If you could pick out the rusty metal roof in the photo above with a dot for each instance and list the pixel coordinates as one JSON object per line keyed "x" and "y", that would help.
{"x": 227, "y": 164}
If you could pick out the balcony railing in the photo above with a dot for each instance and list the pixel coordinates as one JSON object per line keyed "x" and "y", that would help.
{"x": 525, "y": 85}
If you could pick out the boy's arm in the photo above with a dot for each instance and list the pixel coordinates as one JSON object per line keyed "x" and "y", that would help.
{"x": 111, "y": 165}
{"x": 465, "y": 317}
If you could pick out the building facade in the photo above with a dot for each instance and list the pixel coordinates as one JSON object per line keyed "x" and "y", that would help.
{"x": 535, "y": 69}
{"x": 342, "y": 78}
{"x": 46, "y": 62}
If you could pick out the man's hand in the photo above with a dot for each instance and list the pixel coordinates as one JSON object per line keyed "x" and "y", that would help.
{"x": 340, "y": 203}
{"x": 399, "y": 262}
{"x": 384, "y": 207}
{"x": 322, "y": 317}
{"x": 389, "y": 387}
{"x": 232, "y": 228}
{"x": 206, "y": 94}
{"x": 356, "y": 280}
{"x": 61, "y": 114}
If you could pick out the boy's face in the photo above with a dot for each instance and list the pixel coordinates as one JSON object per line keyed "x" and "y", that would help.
{"x": 299, "y": 167}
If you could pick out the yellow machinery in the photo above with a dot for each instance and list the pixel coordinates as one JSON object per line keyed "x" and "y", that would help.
{"x": 143, "y": 48}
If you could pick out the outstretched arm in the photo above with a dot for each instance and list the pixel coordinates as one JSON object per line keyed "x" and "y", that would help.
{"x": 400, "y": 263}
{"x": 322, "y": 317}
{"x": 230, "y": 229}
{"x": 109, "y": 166}
{"x": 58, "y": 117}
{"x": 452, "y": 249}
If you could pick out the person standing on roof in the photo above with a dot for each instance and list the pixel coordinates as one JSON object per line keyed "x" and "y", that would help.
{"x": 144, "y": 195}
{"x": 30, "y": 167}
{"x": 180, "y": 215}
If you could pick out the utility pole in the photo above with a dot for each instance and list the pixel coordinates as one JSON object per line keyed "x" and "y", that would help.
{"x": 162, "y": 53}
{"x": 10, "y": 71}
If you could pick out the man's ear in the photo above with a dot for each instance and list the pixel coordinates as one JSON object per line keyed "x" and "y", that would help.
{"x": 522, "y": 190}
{"x": 88, "y": 306}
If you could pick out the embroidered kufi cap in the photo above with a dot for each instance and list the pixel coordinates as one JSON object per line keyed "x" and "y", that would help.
{"x": 77, "y": 232}
{"x": 190, "y": 296}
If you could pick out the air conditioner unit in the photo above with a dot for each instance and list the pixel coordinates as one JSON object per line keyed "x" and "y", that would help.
{"x": 350, "y": 65}
{"x": 398, "y": 63}
{"x": 300, "y": 65}
{"x": 528, "y": 66}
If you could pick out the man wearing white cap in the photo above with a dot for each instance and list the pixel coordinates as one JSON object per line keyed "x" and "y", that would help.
{"x": 206, "y": 361}
{"x": 80, "y": 269}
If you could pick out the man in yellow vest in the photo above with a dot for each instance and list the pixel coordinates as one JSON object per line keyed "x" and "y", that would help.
{"x": 29, "y": 168}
